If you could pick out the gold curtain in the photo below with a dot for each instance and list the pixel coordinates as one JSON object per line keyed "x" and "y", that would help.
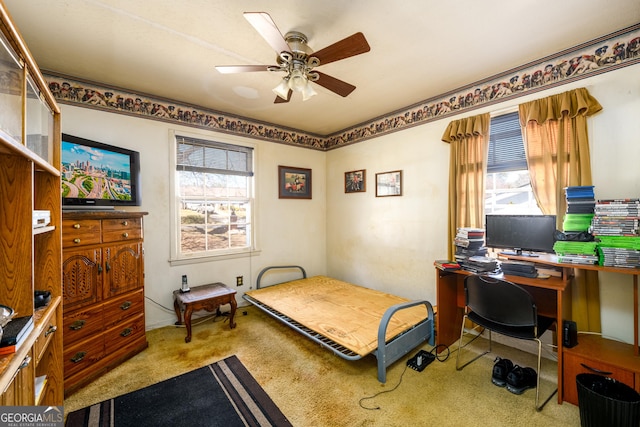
{"x": 469, "y": 142}
{"x": 557, "y": 149}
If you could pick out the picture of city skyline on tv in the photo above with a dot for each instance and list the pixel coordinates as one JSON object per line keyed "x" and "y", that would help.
{"x": 93, "y": 173}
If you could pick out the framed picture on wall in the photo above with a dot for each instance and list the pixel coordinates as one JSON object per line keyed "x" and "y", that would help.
{"x": 355, "y": 181}
{"x": 294, "y": 183}
{"x": 389, "y": 184}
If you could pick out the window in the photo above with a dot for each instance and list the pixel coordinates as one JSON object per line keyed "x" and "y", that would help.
{"x": 213, "y": 198}
{"x": 507, "y": 184}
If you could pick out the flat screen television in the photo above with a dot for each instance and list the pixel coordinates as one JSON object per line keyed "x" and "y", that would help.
{"x": 520, "y": 233}
{"x": 98, "y": 175}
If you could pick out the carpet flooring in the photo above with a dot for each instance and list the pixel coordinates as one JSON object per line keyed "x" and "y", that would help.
{"x": 315, "y": 388}
{"x": 222, "y": 394}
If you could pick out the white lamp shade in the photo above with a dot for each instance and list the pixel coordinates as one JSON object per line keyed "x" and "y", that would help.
{"x": 282, "y": 90}
{"x": 297, "y": 80}
{"x": 308, "y": 92}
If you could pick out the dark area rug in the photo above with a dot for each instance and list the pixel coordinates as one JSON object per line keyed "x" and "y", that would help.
{"x": 221, "y": 394}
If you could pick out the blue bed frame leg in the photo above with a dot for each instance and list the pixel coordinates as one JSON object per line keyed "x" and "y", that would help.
{"x": 388, "y": 353}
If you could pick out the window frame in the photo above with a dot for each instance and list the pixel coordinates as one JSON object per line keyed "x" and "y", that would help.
{"x": 176, "y": 256}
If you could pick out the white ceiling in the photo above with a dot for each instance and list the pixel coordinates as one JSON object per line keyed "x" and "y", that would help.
{"x": 419, "y": 48}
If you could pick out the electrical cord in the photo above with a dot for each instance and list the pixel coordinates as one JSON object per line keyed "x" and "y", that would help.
{"x": 199, "y": 320}
{"x": 433, "y": 353}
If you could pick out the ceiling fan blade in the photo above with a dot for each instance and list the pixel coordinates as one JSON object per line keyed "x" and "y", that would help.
{"x": 265, "y": 26}
{"x": 279, "y": 100}
{"x": 334, "y": 85}
{"x": 230, "y": 69}
{"x": 345, "y": 48}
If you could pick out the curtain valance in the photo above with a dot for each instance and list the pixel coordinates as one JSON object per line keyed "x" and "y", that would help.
{"x": 459, "y": 130}
{"x": 571, "y": 103}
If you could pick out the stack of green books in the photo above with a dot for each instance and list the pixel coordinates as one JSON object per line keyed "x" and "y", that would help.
{"x": 619, "y": 251}
{"x": 577, "y": 222}
{"x": 576, "y": 252}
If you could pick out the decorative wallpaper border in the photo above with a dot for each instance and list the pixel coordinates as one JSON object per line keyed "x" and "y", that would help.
{"x": 617, "y": 50}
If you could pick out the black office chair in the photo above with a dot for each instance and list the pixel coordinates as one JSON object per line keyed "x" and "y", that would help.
{"x": 506, "y": 308}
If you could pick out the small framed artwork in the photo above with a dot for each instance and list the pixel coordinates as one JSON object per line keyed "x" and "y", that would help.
{"x": 294, "y": 183}
{"x": 355, "y": 181}
{"x": 389, "y": 184}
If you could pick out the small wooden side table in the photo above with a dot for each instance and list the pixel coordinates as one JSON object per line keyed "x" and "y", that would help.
{"x": 206, "y": 297}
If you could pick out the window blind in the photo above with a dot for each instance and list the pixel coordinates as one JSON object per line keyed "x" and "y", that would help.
{"x": 506, "y": 146}
{"x": 196, "y": 155}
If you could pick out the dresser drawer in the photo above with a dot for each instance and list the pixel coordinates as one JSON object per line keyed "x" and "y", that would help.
{"x": 80, "y": 232}
{"x": 124, "y": 333}
{"x": 122, "y": 229}
{"x": 121, "y": 307}
{"x": 82, "y": 323}
{"x": 83, "y": 355}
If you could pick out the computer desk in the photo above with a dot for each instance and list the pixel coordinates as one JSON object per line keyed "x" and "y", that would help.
{"x": 552, "y": 297}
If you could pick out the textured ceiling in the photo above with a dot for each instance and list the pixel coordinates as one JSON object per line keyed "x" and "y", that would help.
{"x": 419, "y": 48}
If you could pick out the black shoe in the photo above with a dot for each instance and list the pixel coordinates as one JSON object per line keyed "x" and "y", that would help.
{"x": 520, "y": 379}
{"x": 501, "y": 369}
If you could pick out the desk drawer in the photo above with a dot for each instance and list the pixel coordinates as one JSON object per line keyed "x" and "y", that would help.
{"x": 576, "y": 364}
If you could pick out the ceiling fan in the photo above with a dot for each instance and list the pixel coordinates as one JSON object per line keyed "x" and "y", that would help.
{"x": 298, "y": 61}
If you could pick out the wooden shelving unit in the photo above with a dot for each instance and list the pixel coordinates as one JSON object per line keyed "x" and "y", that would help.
{"x": 31, "y": 257}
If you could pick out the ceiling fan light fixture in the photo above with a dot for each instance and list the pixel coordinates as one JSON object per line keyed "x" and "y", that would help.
{"x": 297, "y": 80}
{"x": 282, "y": 90}
{"x": 308, "y": 92}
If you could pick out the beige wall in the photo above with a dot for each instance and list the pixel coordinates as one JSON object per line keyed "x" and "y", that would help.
{"x": 390, "y": 243}
{"x": 289, "y": 231}
{"x": 385, "y": 243}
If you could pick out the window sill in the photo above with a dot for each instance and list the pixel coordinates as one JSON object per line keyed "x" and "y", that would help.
{"x": 212, "y": 258}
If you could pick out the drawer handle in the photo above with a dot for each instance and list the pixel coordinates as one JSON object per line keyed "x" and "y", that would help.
{"x": 78, "y": 324}
{"x": 76, "y": 226}
{"x": 76, "y": 240}
{"x": 597, "y": 371}
{"x": 126, "y": 332}
{"x": 52, "y": 329}
{"x": 106, "y": 264}
{"x": 125, "y": 235}
{"x": 126, "y": 305}
{"x": 125, "y": 223}
{"x": 78, "y": 356}
{"x": 25, "y": 363}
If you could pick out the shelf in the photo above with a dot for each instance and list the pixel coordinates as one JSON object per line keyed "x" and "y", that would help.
{"x": 41, "y": 230}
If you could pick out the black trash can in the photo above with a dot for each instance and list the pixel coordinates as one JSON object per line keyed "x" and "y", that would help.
{"x": 605, "y": 402}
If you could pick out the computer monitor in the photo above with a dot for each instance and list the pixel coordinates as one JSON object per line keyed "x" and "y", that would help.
{"x": 520, "y": 234}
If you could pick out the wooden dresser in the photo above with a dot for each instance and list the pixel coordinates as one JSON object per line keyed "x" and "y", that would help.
{"x": 103, "y": 292}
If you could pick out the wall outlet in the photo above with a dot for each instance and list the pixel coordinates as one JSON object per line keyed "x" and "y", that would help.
{"x": 239, "y": 281}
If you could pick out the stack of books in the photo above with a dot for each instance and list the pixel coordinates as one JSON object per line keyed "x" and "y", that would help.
{"x": 616, "y": 217}
{"x": 576, "y": 252}
{"x": 519, "y": 268}
{"x": 15, "y": 333}
{"x": 619, "y": 251}
{"x": 581, "y": 203}
{"x": 616, "y": 226}
{"x": 446, "y": 265}
{"x": 471, "y": 253}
